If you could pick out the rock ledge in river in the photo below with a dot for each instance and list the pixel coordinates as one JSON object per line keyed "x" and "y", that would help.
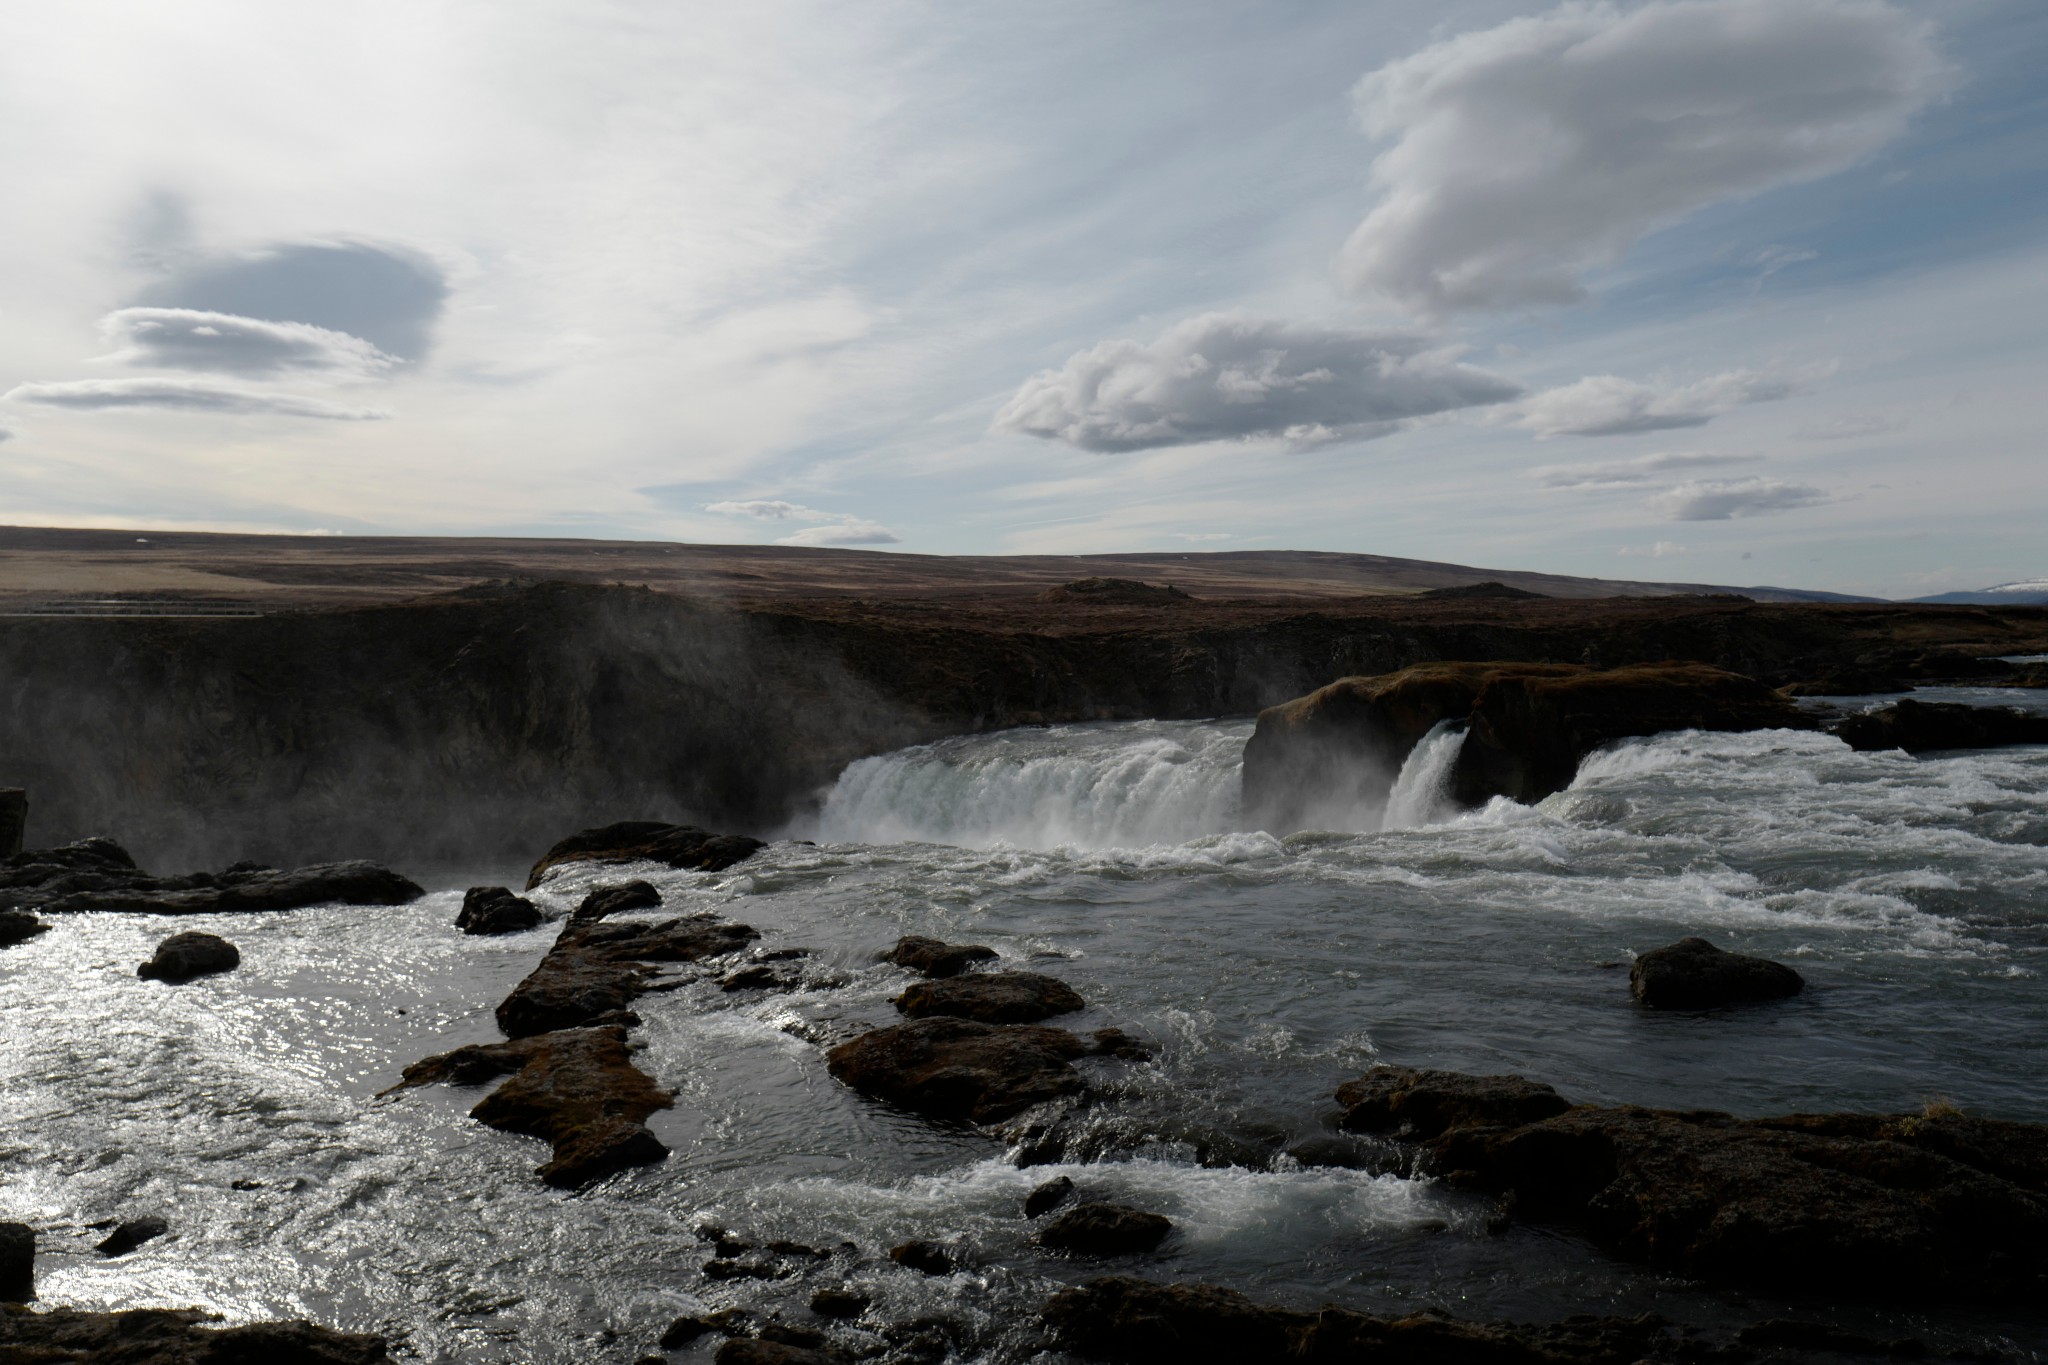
{"x": 929, "y": 957}
{"x": 182, "y": 957}
{"x": 632, "y": 841}
{"x": 1692, "y": 974}
{"x": 495, "y": 910}
{"x": 992, "y": 998}
{"x": 17, "y": 1263}
{"x": 19, "y": 926}
{"x": 175, "y": 1336}
{"x": 962, "y": 1070}
{"x": 98, "y": 874}
{"x": 1105, "y": 1230}
{"x": 612, "y": 900}
{"x": 1921, "y": 727}
{"x": 595, "y": 970}
{"x": 1422, "y": 1104}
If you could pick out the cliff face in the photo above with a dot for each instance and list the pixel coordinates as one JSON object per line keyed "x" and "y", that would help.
{"x": 481, "y": 726}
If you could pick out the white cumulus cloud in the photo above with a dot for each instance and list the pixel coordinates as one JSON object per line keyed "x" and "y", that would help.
{"x": 182, "y": 395}
{"x": 1608, "y": 405}
{"x": 1230, "y": 377}
{"x": 194, "y": 339}
{"x": 1721, "y": 499}
{"x": 1520, "y": 156}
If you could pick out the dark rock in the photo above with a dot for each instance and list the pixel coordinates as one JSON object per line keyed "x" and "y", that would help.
{"x": 1921, "y": 726}
{"x": 992, "y": 998}
{"x": 1692, "y": 974}
{"x": 132, "y": 1234}
{"x": 1329, "y": 755}
{"x": 798, "y": 1251}
{"x": 790, "y": 1334}
{"x": 1114, "y": 1042}
{"x": 1048, "y": 1196}
{"x": 577, "y": 1089}
{"x": 612, "y": 900}
{"x": 1817, "y": 1336}
{"x": 1105, "y": 1230}
{"x": 929, "y": 957}
{"x": 595, "y": 969}
{"x": 1422, "y": 1104}
{"x": 1115, "y": 592}
{"x": 494, "y": 910}
{"x": 683, "y": 1331}
{"x": 174, "y": 1336}
{"x": 13, "y": 820}
{"x": 927, "y": 1258}
{"x": 1142, "y": 1323}
{"x": 19, "y": 926}
{"x": 753, "y": 1269}
{"x": 1341, "y": 1153}
{"x": 181, "y": 957}
{"x": 757, "y": 1352}
{"x": 1850, "y": 681}
{"x": 1926, "y": 1206}
{"x": 845, "y": 1304}
{"x": 17, "y": 1263}
{"x": 759, "y": 977}
{"x": 959, "y": 1069}
{"x": 206, "y": 893}
{"x": 634, "y": 841}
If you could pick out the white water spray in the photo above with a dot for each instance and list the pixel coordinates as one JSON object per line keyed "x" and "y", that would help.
{"x": 1422, "y": 791}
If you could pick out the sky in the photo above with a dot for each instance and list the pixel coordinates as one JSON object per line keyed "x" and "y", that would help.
{"x": 1726, "y": 291}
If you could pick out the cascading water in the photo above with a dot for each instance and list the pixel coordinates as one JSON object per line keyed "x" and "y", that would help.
{"x": 1421, "y": 793}
{"x": 1082, "y": 786}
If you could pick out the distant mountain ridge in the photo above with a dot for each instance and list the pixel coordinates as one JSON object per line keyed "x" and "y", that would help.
{"x": 2026, "y": 592}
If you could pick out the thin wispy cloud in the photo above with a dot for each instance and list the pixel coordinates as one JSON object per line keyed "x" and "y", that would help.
{"x": 1524, "y": 155}
{"x": 192, "y": 339}
{"x": 1231, "y": 377}
{"x": 1608, "y": 405}
{"x": 849, "y": 532}
{"x": 1722, "y": 499}
{"x": 183, "y": 395}
{"x": 1850, "y": 428}
{"x": 835, "y": 528}
{"x": 1631, "y": 473}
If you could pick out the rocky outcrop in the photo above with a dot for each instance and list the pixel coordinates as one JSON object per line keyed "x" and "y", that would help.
{"x": 1331, "y": 756}
{"x": 614, "y": 900}
{"x": 930, "y": 957}
{"x": 1920, "y": 727}
{"x": 650, "y": 841}
{"x": 1141, "y": 1323}
{"x": 1692, "y": 974}
{"x": 19, "y": 926}
{"x": 594, "y": 971}
{"x": 1422, "y": 1104}
{"x": 98, "y": 874}
{"x": 958, "y": 1069}
{"x": 1105, "y": 1230}
{"x": 577, "y": 1089}
{"x": 1115, "y": 592}
{"x": 183, "y": 957}
{"x": 992, "y": 998}
{"x": 129, "y": 1235}
{"x": 174, "y": 1336}
{"x": 495, "y": 910}
{"x": 17, "y": 1263}
{"x": 1939, "y": 1205}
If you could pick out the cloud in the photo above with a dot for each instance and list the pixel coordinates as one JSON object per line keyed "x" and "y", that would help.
{"x": 1663, "y": 549}
{"x": 1850, "y": 428}
{"x": 5, "y": 434}
{"x": 181, "y": 395}
{"x": 388, "y": 295}
{"x": 191, "y": 339}
{"x": 840, "y": 529}
{"x": 1608, "y": 405}
{"x": 1629, "y": 473}
{"x": 848, "y": 532}
{"x": 1523, "y": 155}
{"x": 1721, "y": 499}
{"x": 1229, "y": 377}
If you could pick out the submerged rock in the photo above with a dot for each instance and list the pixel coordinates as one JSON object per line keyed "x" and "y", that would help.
{"x": 1048, "y": 1196}
{"x": 845, "y": 1304}
{"x": 930, "y": 957}
{"x": 741, "y": 1351}
{"x": 926, "y": 1258}
{"x": 1335, "y": 752}
{"x": 577, "y": 1089}
{"x": 633, "y": 841}
{"x": 175, "y": 1336}
{"x": 595, "y": 970}
{"x": 182, "y": 957}
{"x": 19, "y": 926}
{"x": 1422, "y": 1104}
{"x": 1692, "y": 974}
{"x": 1105, "y": 1230}
{"x": 495, "y": 910}
{"x": 992, "y": 998}
{"x": 129, "y": 1235}
{"x": 962, "y": 1070}
{"x": 612, "y": 900}
{"x": 1143, "y": 1323}
{"x": 17, "y": 1263}
{"x": 1937, "y": 1205}
{"x": 1922, "y": 726}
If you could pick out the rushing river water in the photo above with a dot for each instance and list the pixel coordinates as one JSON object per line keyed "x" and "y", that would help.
{"x": 1262, "y": 971}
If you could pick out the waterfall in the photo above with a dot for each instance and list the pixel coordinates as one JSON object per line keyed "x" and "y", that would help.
{"x": 1422, "y": 792}
{"x": 1127, "y": 785}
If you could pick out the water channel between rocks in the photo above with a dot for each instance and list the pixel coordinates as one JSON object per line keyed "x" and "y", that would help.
{"x": 1262, "y": 972}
